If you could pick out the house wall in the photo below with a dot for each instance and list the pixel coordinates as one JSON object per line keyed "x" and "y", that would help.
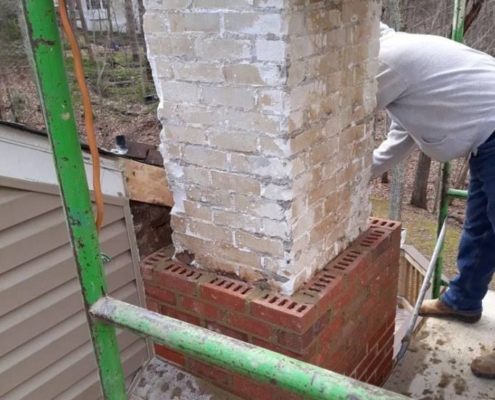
{"x": 97, "y": 20}
{"x": 45, "y": 348}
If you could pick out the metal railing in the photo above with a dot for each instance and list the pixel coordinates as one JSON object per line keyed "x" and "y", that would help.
{"x": 103, "y": 312}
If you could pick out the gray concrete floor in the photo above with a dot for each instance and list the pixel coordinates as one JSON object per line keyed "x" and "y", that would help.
{"x": 163, "y": 381}
{"x": 436, "y": 366}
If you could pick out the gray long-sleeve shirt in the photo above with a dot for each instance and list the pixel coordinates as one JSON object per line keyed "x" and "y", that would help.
{"x": 439, "y": 94}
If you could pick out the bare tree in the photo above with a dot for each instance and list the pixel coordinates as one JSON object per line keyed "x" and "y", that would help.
{"x": 84, "y": 28}
{"x": 419, "y": 196}
{"x": 141, "y": 10}
{"x": 131, "y": 30}
{"x": 71, "y": 5}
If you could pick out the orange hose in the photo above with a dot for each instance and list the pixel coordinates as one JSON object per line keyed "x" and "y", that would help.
{"x": 88, "y": 112}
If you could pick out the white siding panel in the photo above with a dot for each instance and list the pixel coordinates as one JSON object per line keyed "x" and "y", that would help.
{"x": 45, "y": 348}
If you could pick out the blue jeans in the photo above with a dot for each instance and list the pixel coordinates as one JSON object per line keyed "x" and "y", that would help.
{"x": 476, "y": 257}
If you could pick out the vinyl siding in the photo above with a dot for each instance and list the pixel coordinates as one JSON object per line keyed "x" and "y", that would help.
{"x": 45, "y": 348}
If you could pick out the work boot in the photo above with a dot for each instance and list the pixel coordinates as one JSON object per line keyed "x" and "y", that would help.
{"x": 484, "y": 366}
{"x": 437, "y": 308}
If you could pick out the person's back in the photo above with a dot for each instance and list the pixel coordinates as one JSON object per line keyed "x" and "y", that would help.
{"x": 440, "y": 92}
{"x": 441, "y": 95}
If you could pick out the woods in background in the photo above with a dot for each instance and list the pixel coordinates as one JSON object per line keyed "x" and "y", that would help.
{"x": 117, "y": 71}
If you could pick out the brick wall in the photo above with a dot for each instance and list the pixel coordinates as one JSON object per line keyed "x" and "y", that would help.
{"x": 265, "y": 107}
{"x": 342, "y": 320}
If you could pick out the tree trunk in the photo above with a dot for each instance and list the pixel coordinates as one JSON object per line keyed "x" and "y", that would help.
{"x": 84, "y": 28}
{"x": 109, "y": 20}
{"x": 131, "y": 29}
{"x": 419, "y": 196}
{"x": 142, "y": 10}
{"x": 71, "y": 5}
{"x": 460, "y": 182}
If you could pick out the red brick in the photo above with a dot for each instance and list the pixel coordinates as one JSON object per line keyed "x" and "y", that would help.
{"x": 352, "y": 308}
{"x": 351, "y": 264}
{"x": 284, "y": 311}
{"x": 249, "y": 325}
{"x": 336, "y": 361}
{"x": 325, "y": 287}
{"x": 299, "y": 342}
{"x": 147, "y": 272}
{"x": 365, "y": 363}
{"x": 170, "y": 355}
{"x": 207, "y": 370}
{"x": 376, "y": 335}
{"x": 160, "y": 294}
{"x": 385, "y": 339}
{"x": 212, "y": 326}
{"x": 275, "y": 348}
{"x": 173, "y": 313}
{"x": 152, "y": 305}
{"x": 331, "y": 331}
{"x": 227, "y": 293}
{"x": 321, "y": 357}
{"x": 386, "y": 367}
{"x": 385, "y": 223}
{"x": 375, "y": 241}
{"x": 249, "y": 389}
{"x": 290, "y": 396}
{"x": 179, "y": 282}
{"x": 370, "y": 375}
{"x": 204, "y": 310}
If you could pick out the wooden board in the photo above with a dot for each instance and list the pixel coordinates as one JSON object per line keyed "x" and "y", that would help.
{"x": 147, "y": 183}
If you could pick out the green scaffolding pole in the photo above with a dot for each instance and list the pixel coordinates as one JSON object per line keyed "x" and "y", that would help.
{"x": 105, "y": 313}
{"x": 47, "y": 57}
{"x": 446, "y": 193}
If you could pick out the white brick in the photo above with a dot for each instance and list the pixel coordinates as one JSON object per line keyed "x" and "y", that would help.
{"x": 205, "y": 157}
{"x": 180, "y": 92}
{"x": 254, "y": 23}
{"x": 272, "y": 100}
{"x": 171, "y": 46}
{"x": 277, "y": 192}
{"x": 235, "y": 141}
{"x": 194, "y": 22}
{"x": 271, "y": 210}
{"x": 270, "y": 50}
{"x": 166, "y": 4}
{"x": 223, "y": 49}
{"x": 224, "y": 4}
{"x": 269, "y": 3}
{"x": 184, "y": 134}
{"x": 263, "y": 166}
{"x": 229, "y": 97}
{"x": 199, "y": 72}
{"x": 278, "y": 229}
{"x": 154, "y": 22}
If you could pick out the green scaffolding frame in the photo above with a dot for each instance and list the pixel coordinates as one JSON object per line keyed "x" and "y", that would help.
{"x": 103, "y": 312}
{"x": 447, "y": 194}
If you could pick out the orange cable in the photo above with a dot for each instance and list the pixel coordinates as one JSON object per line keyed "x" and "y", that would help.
{"x": 88, "y": 112}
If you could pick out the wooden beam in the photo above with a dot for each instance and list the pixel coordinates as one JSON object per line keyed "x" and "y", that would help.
{"x": 147, "y": 183}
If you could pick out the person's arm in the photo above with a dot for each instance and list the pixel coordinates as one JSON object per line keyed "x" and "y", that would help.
{"x": 392, "y": 151}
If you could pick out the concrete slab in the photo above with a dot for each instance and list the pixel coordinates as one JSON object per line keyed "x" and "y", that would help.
{"x": 163, "y": 381}
{"x": 436, "y": 367}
